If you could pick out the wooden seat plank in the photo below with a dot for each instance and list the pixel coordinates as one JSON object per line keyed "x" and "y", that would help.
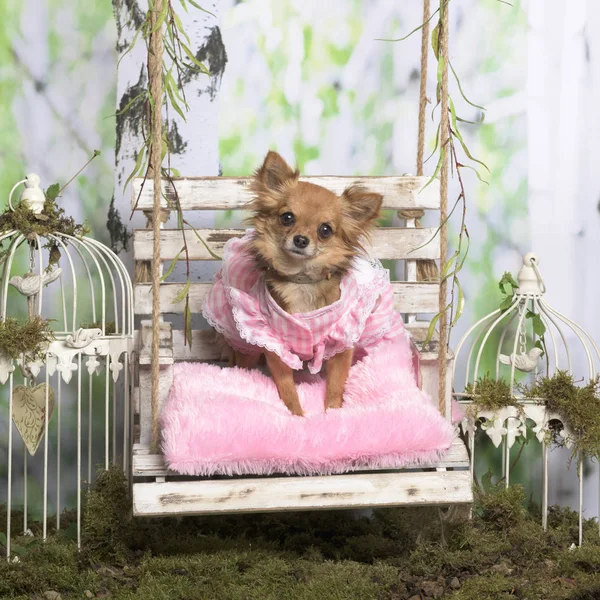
{"x": 277, "y": 494}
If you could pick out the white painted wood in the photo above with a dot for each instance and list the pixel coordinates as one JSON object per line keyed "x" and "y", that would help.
{"x": 430, "y": 378}
{"x": 139, "y": 448}
{"x": 165, "y": 343}
{"x": 227, "y": 193}
{"x": 410, "y": 272}
{"x": 145, "y": 387}
{"x": 135, "y": 398}
{"x": 302, "y": 493}
{"x": 408, "y": 297}
{"x": 393, "y": 243}
{"x": 146, "y": 464}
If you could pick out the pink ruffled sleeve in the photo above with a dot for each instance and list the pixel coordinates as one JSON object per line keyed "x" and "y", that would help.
{"x": 233, "y": 306}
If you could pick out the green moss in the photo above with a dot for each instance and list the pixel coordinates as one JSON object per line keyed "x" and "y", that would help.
{"x": 30, "y": 336}
{"x": 395, "y": 554}
{"x": 502, "y": 508}
{"x": 106, "y": 522}
{"x": 487, "y": 587}
{"x": 51, "y": 220}
{"x": 490, "y": 393}
{"x": 579, "y": 406}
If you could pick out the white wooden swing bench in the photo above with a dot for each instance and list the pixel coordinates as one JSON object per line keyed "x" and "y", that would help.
{"x": 158, "y": 491}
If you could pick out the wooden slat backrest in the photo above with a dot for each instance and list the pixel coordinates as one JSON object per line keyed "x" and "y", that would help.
{"x": 228, "y": 193}
{"x": 231, "y": 193}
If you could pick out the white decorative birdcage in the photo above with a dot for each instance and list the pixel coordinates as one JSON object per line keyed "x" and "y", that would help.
{"x": 75, "y": 389}
{"x": 510, "y": 335}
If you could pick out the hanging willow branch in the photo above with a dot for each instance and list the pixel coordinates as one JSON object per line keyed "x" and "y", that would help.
{"x": 169, "y": 55}
{"x": 168, "y": 63}
{"x": 451, "y": 151}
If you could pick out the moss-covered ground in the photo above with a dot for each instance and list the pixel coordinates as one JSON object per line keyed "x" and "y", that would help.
{"x": 394, "y": 554}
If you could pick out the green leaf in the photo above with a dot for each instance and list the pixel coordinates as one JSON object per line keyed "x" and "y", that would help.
{"x": 196, "y": 5}
{"x": 187, "y": 319}
{"x": 536, "y": 322}
{"x": 170, "y": 80}
{"x": 466, "y": 252}
{"x": 540, "y": 345}
{"x": 437, "y": 142}
{"x": 52, "y": 191}
{"x": 461, "y": 90}
{"x": 174, "y": 102}
{"x": 452, "y": 112}
{"x": 440, "y": 69}
{"x": 437, "y": 169}
{"x": 507, "y": 278}
{"x": 172, "y": 265}
{"x": 479, "y": 122}
{"x": 432, "y": 324}
{"x": 447, "y": 265}
{"x": 129, "y": 104}
{"x": 435, "y": 41}
{"x": 413, "y": 31}
{"x": 202, "y": 241}
{"x": 3, "y": 538}
{"x": 458, "y": 135}
{"x": 196, "y": 62}
{"x": 506, "y": 303}
{"x": 185, "y": 290}
{"x": 138, "y": 165}
{"x": 460, "y": 303}
{"x": 461, "y": 166}
{"x": 179, "y": 26}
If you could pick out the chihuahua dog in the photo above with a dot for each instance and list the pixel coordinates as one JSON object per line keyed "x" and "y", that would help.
{"x": 304, "y": 241}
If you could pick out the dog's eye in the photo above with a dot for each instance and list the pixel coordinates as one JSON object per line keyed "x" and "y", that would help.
{"x": 325, "y": 231}
{"x": 287, "y": 219}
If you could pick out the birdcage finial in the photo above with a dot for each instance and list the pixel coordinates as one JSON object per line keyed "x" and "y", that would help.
{"x": 529, "y": 277}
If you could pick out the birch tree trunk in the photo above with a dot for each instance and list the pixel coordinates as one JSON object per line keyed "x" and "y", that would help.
{"x": 194, "y": 141}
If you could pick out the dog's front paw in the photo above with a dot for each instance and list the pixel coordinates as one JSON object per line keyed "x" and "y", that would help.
{"x": 297, "y": 410}
{"x": 333, "y": 402}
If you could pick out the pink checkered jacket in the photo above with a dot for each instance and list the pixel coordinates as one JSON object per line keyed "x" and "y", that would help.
{"x": 240, "y": 307}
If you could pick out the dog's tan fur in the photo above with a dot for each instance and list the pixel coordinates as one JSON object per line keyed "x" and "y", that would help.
{"x": 277, "y": 190}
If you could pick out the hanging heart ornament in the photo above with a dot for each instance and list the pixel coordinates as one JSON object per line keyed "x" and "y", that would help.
{"x": 29, "y": 413}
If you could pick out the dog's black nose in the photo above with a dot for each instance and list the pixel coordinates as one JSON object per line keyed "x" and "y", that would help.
{"x": 300, "y": 241}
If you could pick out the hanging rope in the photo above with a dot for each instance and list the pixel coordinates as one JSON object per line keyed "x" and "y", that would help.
{"x": 445, "y": 149}
{"x": 426, "y": 269}
{"x": 155, "y": 64}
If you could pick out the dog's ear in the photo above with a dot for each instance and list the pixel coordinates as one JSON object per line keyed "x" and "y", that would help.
{"x": 361, "y": 206}
{"x": 274, "y": 171}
